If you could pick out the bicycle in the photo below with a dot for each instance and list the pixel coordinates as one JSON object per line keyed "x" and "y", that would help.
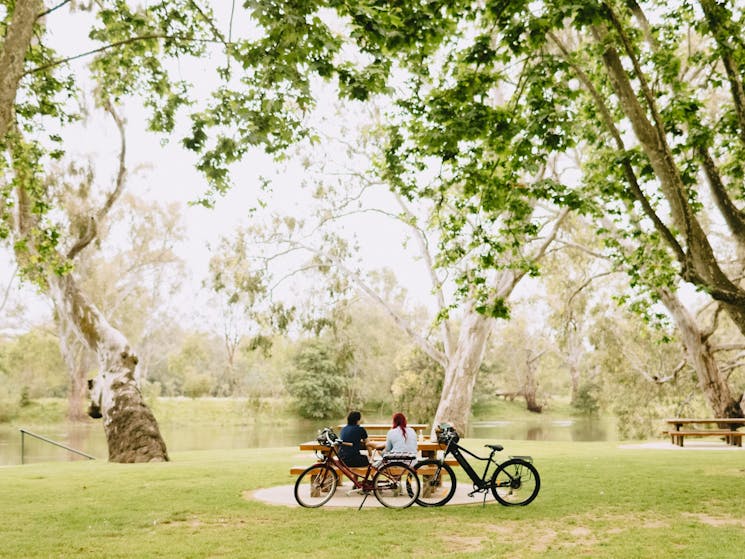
{"x": 514, "y": 482}
{"x": 394, "y": 482}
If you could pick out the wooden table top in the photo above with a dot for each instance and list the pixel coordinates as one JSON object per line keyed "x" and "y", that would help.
{"x": 691, "y": 420}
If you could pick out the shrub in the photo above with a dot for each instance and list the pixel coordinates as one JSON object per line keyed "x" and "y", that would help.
{"x": 317, "y": 381}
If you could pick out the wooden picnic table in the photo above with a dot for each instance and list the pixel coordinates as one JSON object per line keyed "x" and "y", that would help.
{"x": 426, "y": 447}
{"x": 727, "y": 427}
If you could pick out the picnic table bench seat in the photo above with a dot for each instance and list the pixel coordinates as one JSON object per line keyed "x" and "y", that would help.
{"x": 685, "y": 427}
{"x": 731, "y": 437}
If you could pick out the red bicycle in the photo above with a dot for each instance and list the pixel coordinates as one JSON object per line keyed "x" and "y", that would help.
{"x": 392, "y": 480}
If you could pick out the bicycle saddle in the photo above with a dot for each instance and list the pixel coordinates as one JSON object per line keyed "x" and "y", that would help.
{"x": 495, "y": 446}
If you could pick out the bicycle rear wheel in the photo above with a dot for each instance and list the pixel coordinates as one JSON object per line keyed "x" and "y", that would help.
{"x": 516, "y": 482}
{"x": 438, "y": 483}
{"x": 396, "y": 485}
{"x": 316, "y": 485}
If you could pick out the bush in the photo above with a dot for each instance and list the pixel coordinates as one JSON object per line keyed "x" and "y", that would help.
{"x": 587, "y": 400}
{"x": 317, "y": 381}
{"x": 8, "y": 410}
{"x": 197, "y": 385}
{"x": 25, "y": 400}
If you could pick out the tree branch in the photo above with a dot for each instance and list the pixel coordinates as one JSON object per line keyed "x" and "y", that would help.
{"x": 628, "y": 169}
{"x": 91, "y": 230}
{"x": 103, "y": 48}
{"x": 6, "y": 295}
{"x": 734, "y": 217}
{"x": 211, "y": 23}
{"x": 715, "y": 13}
{"x": 428, "y": 348}
{"x": 422, "y": 241}
{"x": 52, "y": 9}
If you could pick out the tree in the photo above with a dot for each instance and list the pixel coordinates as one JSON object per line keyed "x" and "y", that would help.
{"x": 485, "y": 271}
{"x": 130, "y": 267}
{"x": 318, "y": 379}
{"x": 675, "y": 86}
{"x": 33, "y": 96}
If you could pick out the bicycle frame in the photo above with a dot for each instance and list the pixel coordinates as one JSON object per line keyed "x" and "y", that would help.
{"x": 479, "y": 482}
{"x": 333, "y": 457}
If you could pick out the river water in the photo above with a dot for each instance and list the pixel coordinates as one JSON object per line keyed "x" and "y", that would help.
{"x": 89, "y": 437}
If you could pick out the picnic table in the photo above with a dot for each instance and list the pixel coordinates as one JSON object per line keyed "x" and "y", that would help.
{"x": 426, "y": 447}
{"x": 725, "y": 427}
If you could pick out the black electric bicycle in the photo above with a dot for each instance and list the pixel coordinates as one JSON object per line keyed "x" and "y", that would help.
{"x": 513, "y": 482}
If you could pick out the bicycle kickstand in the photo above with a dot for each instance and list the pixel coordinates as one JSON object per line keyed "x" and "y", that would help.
{"x": 364, "y": 498}
{"x": 484, "y": 491}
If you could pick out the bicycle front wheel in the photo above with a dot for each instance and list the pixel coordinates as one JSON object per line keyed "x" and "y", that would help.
{"x": 396, "y": 485}
{"x": 516, "y": 482}
{"x": 316, "y": 485}
{"x": 438, "y": 483}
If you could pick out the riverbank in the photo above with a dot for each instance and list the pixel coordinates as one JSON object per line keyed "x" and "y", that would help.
{"x": 233, "y": 423}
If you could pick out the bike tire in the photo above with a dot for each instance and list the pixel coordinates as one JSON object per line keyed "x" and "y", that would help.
{"x": 438, "y": 483}
{"x": 396, "y": 485}
{"x": 315, "y": 486}
{"x": 515, "y": 483}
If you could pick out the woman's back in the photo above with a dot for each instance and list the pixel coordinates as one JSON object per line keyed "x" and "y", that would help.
{"x": 395, "y": 441}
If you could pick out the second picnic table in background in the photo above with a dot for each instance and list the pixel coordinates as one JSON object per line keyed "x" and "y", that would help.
{"x": 731, "y": 435}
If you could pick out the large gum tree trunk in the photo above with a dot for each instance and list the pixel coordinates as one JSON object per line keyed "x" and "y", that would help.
{"x": 78, "y": 366}
{"x": 131, "y": 429}
{"x": 462, "y": 370}
{"x": 699, "y": 352}
{"x": 529, "y": 382}
{"x": 462, "y": 364}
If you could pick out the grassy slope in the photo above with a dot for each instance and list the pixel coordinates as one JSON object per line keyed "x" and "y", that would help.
{"x": 596, "y": 501}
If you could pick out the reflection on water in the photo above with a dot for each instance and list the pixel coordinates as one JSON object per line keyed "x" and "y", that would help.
{"x": 575, "y": 429}
{"x": 89, "y": 437}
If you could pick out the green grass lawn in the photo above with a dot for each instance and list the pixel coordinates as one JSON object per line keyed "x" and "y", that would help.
{"x": 596, "y": 500}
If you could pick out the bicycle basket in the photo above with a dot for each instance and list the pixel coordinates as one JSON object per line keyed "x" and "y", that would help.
{"x": 326, "y": 436}
{"x": 447, "y": 433}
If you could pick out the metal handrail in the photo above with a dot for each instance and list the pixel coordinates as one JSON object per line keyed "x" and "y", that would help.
{"x": 55, "y": 443}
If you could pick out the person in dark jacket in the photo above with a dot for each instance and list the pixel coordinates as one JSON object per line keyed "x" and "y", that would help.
{"x": 353, "y": 432}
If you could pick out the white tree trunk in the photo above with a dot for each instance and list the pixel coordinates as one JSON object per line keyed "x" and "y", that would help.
{"x": 462, "y": 370}
{"x": 78, "y": 363}
{"x": 699, "y": 353}
{"x": 131, "y": 430}
{"x": 529, "y": 382}
{"x": 14, "y": 46}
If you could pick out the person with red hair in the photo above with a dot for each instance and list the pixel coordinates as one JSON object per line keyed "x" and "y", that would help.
{"x": 401, "y": 438}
